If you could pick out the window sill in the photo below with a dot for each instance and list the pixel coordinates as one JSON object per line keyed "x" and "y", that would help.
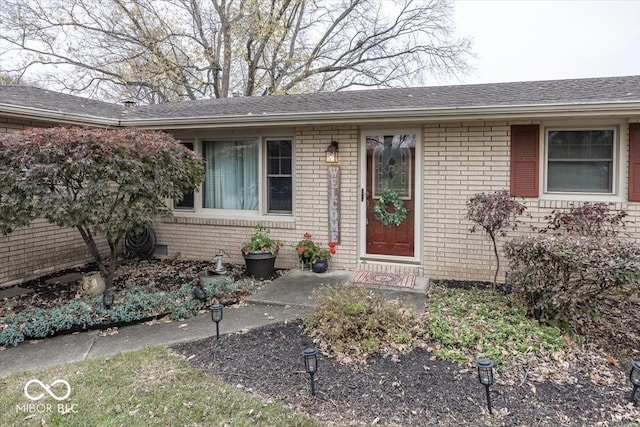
{"x": 583, "y": 197}
{"x": 228, "y": 220}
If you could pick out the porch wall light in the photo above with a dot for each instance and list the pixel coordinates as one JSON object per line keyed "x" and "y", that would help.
{"x": 310, "y": 356}
{"x": 107, "y": 299}
{"x": 485, "y": 376}
{"x": 332, "y": 153}
{"x": 634, "y": 377}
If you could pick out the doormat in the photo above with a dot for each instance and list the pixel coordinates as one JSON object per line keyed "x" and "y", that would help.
{"x": 384, "y": 279}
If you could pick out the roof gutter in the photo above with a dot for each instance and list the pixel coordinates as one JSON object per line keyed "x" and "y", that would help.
{"x": 405, "y": 115}
{"x": 394, "y": 116}
{"x": 61, "y": 117}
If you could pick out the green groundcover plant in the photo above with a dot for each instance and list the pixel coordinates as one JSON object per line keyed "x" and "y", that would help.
{"x": 471, "y": 323}
{"x": 133, "y": 304}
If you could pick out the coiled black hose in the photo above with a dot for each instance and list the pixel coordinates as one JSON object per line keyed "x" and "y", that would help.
{"x": 140, "y": 242}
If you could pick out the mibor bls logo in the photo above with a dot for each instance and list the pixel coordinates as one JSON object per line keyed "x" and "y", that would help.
{"x": 59, "y": 390}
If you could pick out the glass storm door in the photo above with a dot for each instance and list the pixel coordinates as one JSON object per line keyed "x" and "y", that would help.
{"x": 390, "y": 166}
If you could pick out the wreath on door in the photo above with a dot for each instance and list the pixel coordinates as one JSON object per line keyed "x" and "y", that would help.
{"x": 394, "y": 218}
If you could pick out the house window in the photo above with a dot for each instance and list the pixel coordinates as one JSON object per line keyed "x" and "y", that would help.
{"x": 232, "y": 174}
{"x": 279, "y": 176}
{"x": 185, "y": 202}
{"x": 580, "y": 161}
{"x": 242, "y": 174}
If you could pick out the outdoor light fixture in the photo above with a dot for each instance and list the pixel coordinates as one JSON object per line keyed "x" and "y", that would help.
{"x": 107, "y": 299}
{"x": 332, "y": 152}
{"x": 216, "y": 316}
{"x": 634, "y": 376}
{"x": 311, "y": 365}
{"x": 485, "y": 376}
{"x": 199, "y": 293}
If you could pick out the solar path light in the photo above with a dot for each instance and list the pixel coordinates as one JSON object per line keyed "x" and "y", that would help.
{"x": 107, "y": 299}
{"x": 216, "y": 316}
{"x": 485, "y": 376}
{"x": 311, "y": 365}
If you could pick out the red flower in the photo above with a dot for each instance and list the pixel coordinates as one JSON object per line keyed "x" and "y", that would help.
{"x": 307, "y": 235}
{"x": 332, "y": 244}
{"x": 300, "y": 249}
{"x": 332, "y": 251}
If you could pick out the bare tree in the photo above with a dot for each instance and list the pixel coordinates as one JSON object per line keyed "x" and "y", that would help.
{"x": 168, "y": 50}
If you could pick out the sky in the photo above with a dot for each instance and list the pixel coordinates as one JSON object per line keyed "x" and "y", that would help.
{"x": 522, "y": 40}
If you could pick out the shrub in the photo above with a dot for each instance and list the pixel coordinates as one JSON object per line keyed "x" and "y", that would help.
{"x": 560, "y": 278}
{"x": 494, "y": 213}
{"x": 590, "y": 219}
{"x": 352, "y": 321}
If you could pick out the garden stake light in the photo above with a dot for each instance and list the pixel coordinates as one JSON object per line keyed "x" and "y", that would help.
{"x": 634, "y": 377}
{"x": 216, "y": 316}
{"x": 485, "y": 375}
{"x": 311, "y": 365}
{"x": 199, "y": 293}
{"x": 107, "y": 299}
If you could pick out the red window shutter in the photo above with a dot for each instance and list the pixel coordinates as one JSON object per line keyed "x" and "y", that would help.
{"x": 634, "y": 162}
{"x": 525, "y": 160}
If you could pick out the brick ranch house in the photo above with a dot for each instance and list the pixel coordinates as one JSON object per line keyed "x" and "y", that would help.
{"x": 552, "y": 142}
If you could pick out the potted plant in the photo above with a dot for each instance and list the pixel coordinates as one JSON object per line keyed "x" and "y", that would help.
{"x": 260, "y": 253}
{"x": 316, "y": 256}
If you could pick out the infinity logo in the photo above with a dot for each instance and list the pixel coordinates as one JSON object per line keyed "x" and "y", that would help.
{"x": 47, "y": 389}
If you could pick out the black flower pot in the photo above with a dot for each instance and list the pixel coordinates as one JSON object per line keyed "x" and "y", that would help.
{"x": 260, "y": 265}
{"x": 320, "y": 266}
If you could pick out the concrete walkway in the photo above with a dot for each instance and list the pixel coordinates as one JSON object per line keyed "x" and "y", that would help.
{"x": 286, "y": 298}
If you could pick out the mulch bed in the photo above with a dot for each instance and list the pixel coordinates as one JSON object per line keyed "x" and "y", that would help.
{"x": 412, "y": 389}
{"x": 163, "y": 275}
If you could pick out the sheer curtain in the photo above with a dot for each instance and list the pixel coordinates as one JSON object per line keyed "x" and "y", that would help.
{"x": 231, "y": 179}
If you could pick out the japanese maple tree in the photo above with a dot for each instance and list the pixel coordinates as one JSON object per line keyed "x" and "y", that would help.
{"x": 103, "y": 182}
{"x": 494, "y": 213}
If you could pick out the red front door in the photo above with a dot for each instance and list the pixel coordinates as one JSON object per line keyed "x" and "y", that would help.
{"x": 390, "y": 166}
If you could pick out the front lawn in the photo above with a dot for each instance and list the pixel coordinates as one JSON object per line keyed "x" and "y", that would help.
{"x": 150, "y": 387}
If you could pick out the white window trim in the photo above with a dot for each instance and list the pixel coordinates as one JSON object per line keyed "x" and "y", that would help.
{"x": 228, "y": 214}
{"x": 619, "y": 184}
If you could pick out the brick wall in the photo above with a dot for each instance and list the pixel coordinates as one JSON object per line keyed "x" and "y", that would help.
{"x": 461, "y": 159}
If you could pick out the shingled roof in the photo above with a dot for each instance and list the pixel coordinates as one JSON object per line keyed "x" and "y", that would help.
{"x": 48, "y": 100}
{"x": 443, "y": 99}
